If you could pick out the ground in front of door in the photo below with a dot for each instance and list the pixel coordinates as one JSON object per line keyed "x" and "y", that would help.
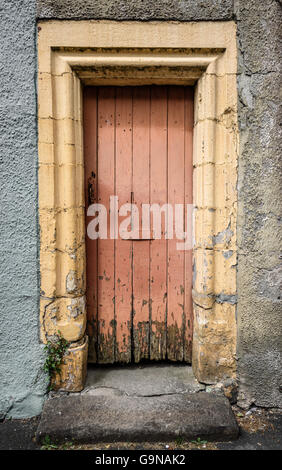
{"x": 259, "y": 430}
{"x": 126, "y": 407}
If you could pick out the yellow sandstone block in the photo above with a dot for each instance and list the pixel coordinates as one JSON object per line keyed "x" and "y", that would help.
{"x": 204, "y": 271}
{"x": 45, "y": 153}
{"x": 215, "y": 341}
{"x": 217, "y": 99}
{"x": 203, "y": 186}
{"x": 46, "y": 181}
{"x": 65, "y": 154}
{"x": 71, "y": 272}
{"x": 48, "y": 264}
{"x": 64, "y": 131}
{"x": 68, "y": 188}
{"x": 73, "y": 371}
{"x": 67, "y": 315}
{"x": 63, "y": 96}
{"x": 45, "y": 130}
{"x": 47, "y": 225}
{"x": 225, "y": 272}
{"x": 45, "y": 95}
{"x": 203, "y": 228}
{"x": 70, "y": 232}
{"x": 213, "y": 143}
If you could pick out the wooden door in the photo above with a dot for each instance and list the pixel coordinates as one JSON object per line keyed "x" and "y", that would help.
{"x": 138, "y": 146}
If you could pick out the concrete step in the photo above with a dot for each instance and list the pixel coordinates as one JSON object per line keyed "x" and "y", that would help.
{"x": 85, "y": 418}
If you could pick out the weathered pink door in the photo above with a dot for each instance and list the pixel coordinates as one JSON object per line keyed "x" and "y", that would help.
{"x": 138, "y": 146}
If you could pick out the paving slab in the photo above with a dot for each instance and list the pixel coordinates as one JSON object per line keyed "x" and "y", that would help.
{"x": 147, "y": 380}
{"x": 18, "y": 434}
{"x": 87, "y": 418}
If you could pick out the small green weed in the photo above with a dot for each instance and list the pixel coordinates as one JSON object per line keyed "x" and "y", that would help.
{"x": 67, "y": 445}
{"x": 199, "y": 441}
{"x": 47, "y": 444}
{"x": 179, "y": 441}
{"x": 55, "y": 352}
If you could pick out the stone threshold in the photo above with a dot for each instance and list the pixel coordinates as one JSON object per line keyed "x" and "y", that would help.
{"x": 147, "y": 403}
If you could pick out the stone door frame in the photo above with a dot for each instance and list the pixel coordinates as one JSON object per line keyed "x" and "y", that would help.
{"x": 72, "y": 53}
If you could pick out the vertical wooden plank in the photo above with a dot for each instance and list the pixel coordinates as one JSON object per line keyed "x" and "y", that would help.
{"x": 140, "y": 189}
{"x": 188, "y": 306}
{"x": 158, "y": 248}
{"x": 90, "y": 186}
{"x": 106, "y": 183}
{"x": 123, "y": 248}
{"x": 175, "y": 312}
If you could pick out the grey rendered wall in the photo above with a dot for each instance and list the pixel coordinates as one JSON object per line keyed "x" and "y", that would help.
{"x": 259, "y": 193}
{"x": 22, "y": 384}
{"x": 142, "y": 10}
{"x": 259, "y": 315}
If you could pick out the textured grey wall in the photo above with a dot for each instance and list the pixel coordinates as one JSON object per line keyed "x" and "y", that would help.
{"x": 21, "y": 356}
{"x": 182, "y": 10}
{"x": 259, "y": 193}
{"x": 259, "y": 318}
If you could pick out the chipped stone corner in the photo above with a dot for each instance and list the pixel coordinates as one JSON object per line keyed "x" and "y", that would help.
{"x": 228, "y": 388}
{"x": 66, "y": 314}
{"x": 214, "y": 343}
{"x": 73, "y": 369}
